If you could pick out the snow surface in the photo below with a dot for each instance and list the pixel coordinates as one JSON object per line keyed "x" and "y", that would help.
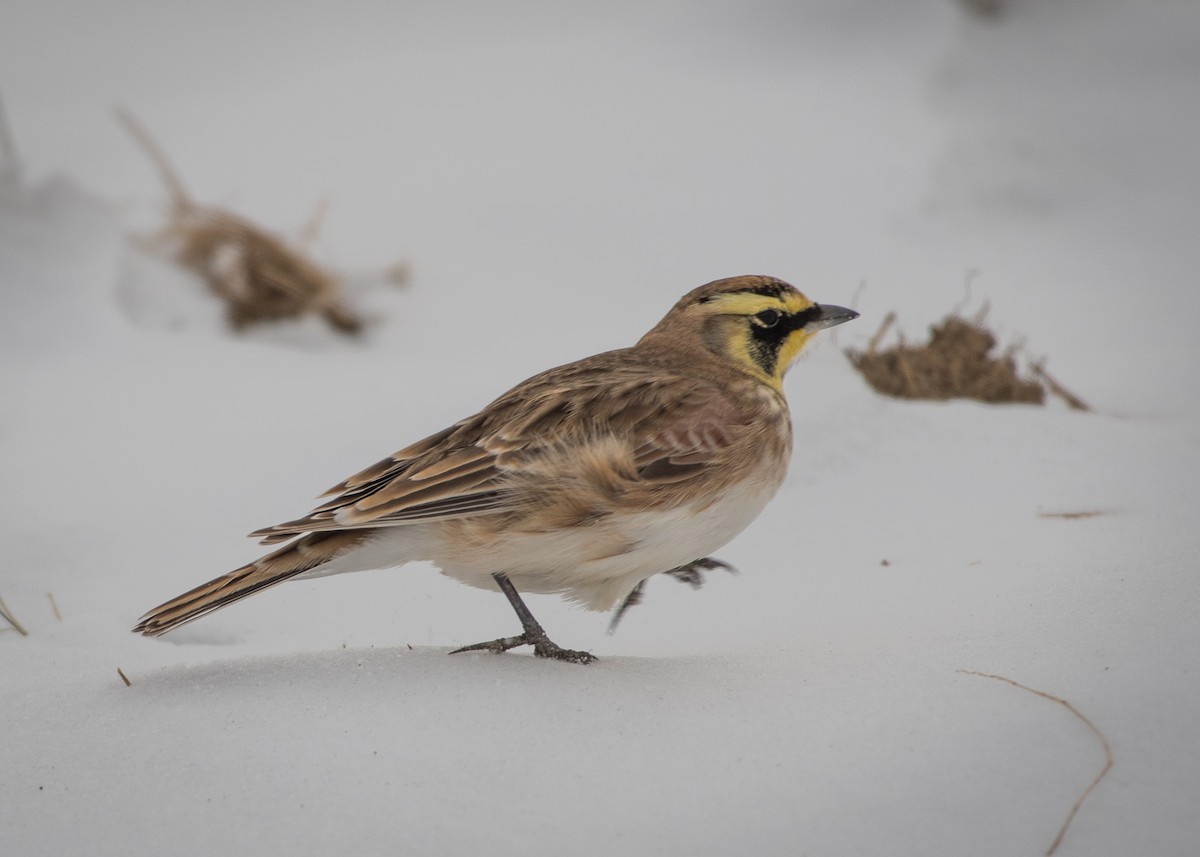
{"x": 556, "y": 176}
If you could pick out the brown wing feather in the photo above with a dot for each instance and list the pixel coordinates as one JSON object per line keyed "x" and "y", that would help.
{"x": 671, "y": 428}
{"x": 392, "y": 464}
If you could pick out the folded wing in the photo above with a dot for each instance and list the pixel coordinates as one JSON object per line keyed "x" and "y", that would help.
{"x": 665, "y": 430}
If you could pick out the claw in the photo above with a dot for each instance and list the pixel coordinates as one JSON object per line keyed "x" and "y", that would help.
{"x": 546, "y": 649}
{"x": 693, "y": 573}
{"x": 499, "y": 646}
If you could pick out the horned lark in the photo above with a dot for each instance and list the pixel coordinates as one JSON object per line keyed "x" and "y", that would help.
{"x": 582, "y": 481}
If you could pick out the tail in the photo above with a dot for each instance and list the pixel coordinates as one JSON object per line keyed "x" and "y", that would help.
{"x": 304, "y": 554}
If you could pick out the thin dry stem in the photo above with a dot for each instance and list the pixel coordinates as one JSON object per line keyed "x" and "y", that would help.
{"x": 54, "y": 606}
{"x": 12, "y": 620}
{"x": 862, "y": 287}
{"x": 888, "y": 321}
{"x": 1108, "y": 756}
{"x": 968, "y": 280}
{"x": 170, "y": 178}
{"x": 313, "y": 228}
{"x": 1073, "y": 401}
{"x": 124, "y": 677}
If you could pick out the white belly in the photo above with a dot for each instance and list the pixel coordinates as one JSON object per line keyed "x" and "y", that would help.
{"x": 599, "y": 564}
{"x": 594, "y": 565}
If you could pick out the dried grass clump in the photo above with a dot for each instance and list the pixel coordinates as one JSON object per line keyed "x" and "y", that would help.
{"x": 258, "y": 276}
{"x": 956, "y": 363}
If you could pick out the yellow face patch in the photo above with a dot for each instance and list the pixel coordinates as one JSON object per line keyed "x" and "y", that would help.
{"x": 751, "y": 303}
{"x": 788, "y": 352}
{"x": 765, "y": 350}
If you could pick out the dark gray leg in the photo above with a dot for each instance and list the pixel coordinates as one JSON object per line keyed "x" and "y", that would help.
{"x": 534, "y": 634}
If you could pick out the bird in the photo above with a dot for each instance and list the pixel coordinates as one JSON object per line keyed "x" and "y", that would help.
{"x": 582, "y": 481}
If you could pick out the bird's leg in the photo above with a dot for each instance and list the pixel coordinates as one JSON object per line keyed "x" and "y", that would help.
{"x": 633, "y": 599}
{"x": 534, "y": 634}
{"x": 691, "y": 574}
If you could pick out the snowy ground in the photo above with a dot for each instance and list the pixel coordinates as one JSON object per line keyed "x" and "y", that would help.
{"x": 556, "y": 178}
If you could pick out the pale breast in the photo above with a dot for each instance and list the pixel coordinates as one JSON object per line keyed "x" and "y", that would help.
{"x": 598, "y": 563}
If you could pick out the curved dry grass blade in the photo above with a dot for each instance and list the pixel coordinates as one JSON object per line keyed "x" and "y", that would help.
{"x": 170, "y": 178}
{"x": 1108, "y": 756}
{"x": 1073, "y": 402}
{"x": 12, "y": 620}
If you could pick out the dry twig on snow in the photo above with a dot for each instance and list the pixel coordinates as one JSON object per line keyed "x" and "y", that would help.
{"x": 1073, "y": 402}
{"x": 1108, "y": 756}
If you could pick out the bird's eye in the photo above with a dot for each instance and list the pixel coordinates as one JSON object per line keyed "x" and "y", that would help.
{"x": 768, "y": 317}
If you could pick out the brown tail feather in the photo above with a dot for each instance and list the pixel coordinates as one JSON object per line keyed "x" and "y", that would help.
{"x": 302, "y": 555}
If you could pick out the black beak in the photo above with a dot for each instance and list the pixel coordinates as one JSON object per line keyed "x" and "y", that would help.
{"x": 828, "y": 315}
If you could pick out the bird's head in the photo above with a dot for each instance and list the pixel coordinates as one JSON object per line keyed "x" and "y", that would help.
{"x": 757, "y": 324}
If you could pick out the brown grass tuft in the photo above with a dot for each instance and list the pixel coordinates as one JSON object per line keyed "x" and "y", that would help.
{"x": 956, "y": 363}
{"x": 258, "y": 276}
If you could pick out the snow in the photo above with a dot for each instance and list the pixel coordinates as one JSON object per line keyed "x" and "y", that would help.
{"x": 556, "y": 177}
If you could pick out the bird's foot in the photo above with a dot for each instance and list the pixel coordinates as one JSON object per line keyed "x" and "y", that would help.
{"x": 693, "y": 573}
{"x": 543, "y": 647}
{"x": 534, "y": 636}
{"x": 547, "y": 648}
